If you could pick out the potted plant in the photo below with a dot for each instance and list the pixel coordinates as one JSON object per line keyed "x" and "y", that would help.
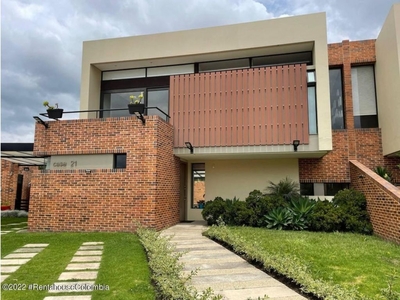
{"x": 53, "y": 112}
{"x": 136, "y": 104}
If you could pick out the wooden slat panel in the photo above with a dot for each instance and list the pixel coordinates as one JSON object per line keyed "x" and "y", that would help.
{"x": 262, "y": 106}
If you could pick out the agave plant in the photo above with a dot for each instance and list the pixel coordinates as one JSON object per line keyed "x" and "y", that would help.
{"x": 301, "y": 208}
{"x": 278, "y": 218}
{"x": 384, "y": 173}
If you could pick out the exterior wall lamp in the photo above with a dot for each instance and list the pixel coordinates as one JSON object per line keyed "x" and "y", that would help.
{"x": 189, "y": 146}
{"x": 296, "y": 144}
{"x": 40, "y": 121}
{"x": 88, "y": 171}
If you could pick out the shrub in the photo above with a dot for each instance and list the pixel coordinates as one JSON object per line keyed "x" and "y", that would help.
{"x": 213, "y": 210}
{"x": 14, "y": 214}
{"x": 325, "y": 217}
{"x": 286, "y": 188}
{"x": 352, "y": 206}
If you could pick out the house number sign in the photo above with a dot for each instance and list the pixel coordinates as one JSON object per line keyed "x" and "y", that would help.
{"x": 63, "y": 164}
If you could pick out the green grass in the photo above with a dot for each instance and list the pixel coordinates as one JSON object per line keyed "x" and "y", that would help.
{"x": 350, "y": 260}
{"x": 6, "y": 221}
{"x": 123, "y": 266}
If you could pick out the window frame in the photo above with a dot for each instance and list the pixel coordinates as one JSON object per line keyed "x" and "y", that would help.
{"x": 115, "y": 161}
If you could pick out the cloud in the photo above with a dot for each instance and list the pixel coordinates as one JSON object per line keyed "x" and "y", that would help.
{"x": 42, "y": 40}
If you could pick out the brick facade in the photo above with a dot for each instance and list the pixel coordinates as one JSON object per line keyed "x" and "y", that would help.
{"x": 106, "y": 199}
{"x": 9, "y": 177}
{"x": 383, "y": 201}
{"x": 364, "y": 145}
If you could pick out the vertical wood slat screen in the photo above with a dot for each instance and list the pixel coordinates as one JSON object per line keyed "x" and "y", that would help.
{"x": 260, "y": 106}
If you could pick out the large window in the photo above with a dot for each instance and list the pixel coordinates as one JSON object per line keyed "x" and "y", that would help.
{"x": 364, "y": 99}
{"x": 120, "y": 100}
{"x": 198, "y": 185}
{"x": 336, "y": 95}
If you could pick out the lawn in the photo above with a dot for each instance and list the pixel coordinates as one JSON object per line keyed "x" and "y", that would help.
{"x": 6, "y": 221}
{"x": 123, "y": 266}
{"x": 349, "y": 260}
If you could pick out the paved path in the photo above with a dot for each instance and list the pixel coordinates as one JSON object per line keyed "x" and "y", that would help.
{"x": 13, "y": 261}
{"x": 225, "y": 272}
{"x": 81, "y": 271}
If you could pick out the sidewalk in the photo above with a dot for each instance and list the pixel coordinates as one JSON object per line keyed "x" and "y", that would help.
{"x": 225, "y": 272}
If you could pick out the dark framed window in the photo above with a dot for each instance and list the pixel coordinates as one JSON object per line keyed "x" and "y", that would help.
{"x": 331, "y": 189}
{"x": 312, "y": 103}
{"x": 336, "y": 95}
{"x": 364, "y": 97}
{"x": 282, "y": 59}
{"x": 198, "y": 185}
{"x": 307, "y": 189}
{"x": 120, "y": 161}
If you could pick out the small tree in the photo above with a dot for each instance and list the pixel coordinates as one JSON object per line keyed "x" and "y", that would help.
{"x": 286, "y": 188}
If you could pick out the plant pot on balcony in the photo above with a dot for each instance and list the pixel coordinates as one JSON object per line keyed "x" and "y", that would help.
{"x": 55, "y": 113}
{"x": 133, "y": 108}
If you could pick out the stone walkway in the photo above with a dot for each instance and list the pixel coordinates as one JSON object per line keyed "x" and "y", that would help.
{"x": 13, "y": 261}
{"x": 82, "y": 270}
{"x": 14, "y": 229}
{"x": 225, "y": 272}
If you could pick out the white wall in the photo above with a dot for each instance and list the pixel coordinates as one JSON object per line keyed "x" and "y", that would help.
{"x": 237, "y": 178}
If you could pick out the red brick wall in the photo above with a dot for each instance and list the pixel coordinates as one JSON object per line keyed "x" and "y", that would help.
{"x": 383, "y": 201}
{"x": 9, "y": 175}
{"x": 106, "y": 200}
{"x": 364, "y": 145}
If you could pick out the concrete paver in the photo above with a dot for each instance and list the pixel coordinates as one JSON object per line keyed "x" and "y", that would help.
{"x": 9, "y": 269}
{"x": 92, "y": 243}
{"x": 83, "y": 266}
{"x": 81, "y": 297}
{"x": 225, "y": 272}
{"x": 10, "y": 262}
{"x": 35, "y": 245}
{"x": 86, "y": 258}
{"x": 99, "y": 247}
{"x": 95, "y": 252}
{"x": 20, "y": 255}
{"x": 3, "y": 277}
{"x": 84, "y": 275}
{"x": 28, "y": 250}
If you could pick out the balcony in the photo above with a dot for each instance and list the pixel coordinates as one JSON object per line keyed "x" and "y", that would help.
{"x": 249, "y": 107}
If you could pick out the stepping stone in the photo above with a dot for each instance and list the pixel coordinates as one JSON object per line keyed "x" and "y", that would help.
{"x": 35, "y": 245}
{"x": 71, "y": 286}
{"x": 9, "y": 269}
{"x": 92, "y": 243}
{"x": 10, "y": 262}
{"x": 28, "y": 250}
{"x": 21, "y": 255}
{"x": 22, "y": 231}
{"x": 78, "y": 275}
{"x": 88, "y": 253}
{"x": 86, "y": 297}
{"x": 3, "y": 277}
{"x": 16, "y": 228}
{"x": 85, "y": 258}
{"x": 5, "y": 232}
{"x": 91, "y": 247}
{"x": 83, "y": 266}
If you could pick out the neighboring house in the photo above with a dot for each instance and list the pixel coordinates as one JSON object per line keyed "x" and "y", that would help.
{"x": 241, "y": 97}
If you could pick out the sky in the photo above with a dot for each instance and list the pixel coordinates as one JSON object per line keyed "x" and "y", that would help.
{"x": 41, "y": 40}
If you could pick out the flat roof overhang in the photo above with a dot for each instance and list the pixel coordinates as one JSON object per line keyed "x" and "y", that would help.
{"x": 21, "y": 154}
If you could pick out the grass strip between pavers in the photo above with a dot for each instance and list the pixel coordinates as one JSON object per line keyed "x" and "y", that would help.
{"x": 123, "y": 266}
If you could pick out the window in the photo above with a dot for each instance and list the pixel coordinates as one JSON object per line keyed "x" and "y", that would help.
{"x": 336, "y": 95}
{"x": 120, "y": 161}
{"x": 120, "y": 100}
{"x": 312, "y": 103}
{"x": 307, "y": 189}
{"x": 113, "y": 100}
{"x": 364, "y": 99}
{"x": 280, "y": 59}
{"x": 331, "y": 189}
{"x": 198, "y": 185}
{"x": 158, "y": 98}
{"x": 224, "y": 65}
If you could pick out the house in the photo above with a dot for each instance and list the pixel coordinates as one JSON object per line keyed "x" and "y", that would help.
{"x": 228, "y": 109}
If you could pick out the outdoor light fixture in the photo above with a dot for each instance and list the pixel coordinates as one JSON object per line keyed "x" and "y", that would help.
{"x": 88, "y": 171}
{"x": 26, "y": 168}
{"x": 40, "y": 121}
{"x": 189, "y": 146}
{"x": 140, "y": 117}
{"x": 296, "y": 143}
